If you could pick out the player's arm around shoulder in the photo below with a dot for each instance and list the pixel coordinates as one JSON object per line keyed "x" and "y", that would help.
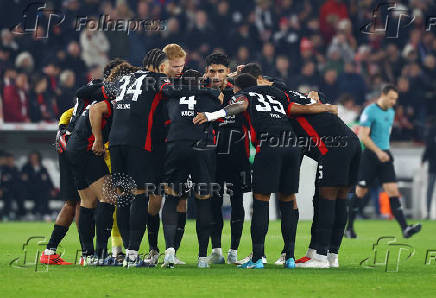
{"x": 239, "y": 104}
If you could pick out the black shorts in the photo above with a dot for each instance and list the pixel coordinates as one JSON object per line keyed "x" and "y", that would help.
{"x": 233, "y": 167}
{"x": 182, "y": 159}
{"x": 86, "y": 167}
{"x": 68, "y": 190}
{"x": 141, "y": 165}
{"x": 371, "y": 168}
{"x": 340, "y": 165}
{"x": 276, "y": 170}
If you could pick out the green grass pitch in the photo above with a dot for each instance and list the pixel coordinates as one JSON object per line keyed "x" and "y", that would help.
{"x": 414, "y": 277}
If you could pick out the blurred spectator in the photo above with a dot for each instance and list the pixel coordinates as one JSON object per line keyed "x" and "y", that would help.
{"x": 331, "y": 12}
{"x": 41, "y": 103}
{"x": 288, "y": 36}
{"x": 68, "y": 90}
{"x": 11, "y": 188}
{"x": 37, "y": 184}
{"x": 282, "y": 70}
{"x": 329, "y": 84}
{"x": 309, "y": 77}
{"x": 352, "y": 82}
{"x": 95, "y": 47}
{"x": 403, "y": 128}
{"x": 24, "y": 62}
{"x": 73, "y": 61}
{"x": 15, "y": 97}
{"x": 347, "y": 109}
{"x": 266, "y": 59}
{"x": 8, "y": 42}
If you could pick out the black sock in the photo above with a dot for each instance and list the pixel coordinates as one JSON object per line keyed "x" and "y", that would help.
{"x": 294, "y": 224}
{"x": 169, "y": 220}
{"x": 353, "y": 210}
{"x": 85, "y": 231}
{"x": 259, "y": 227}
{"x": 181, "y": 223}
{"x": 237, "y": 219}
{"x": 397, "y": 211}
{"x": 218, "y": 222}
{"x": 203, "y": 225}
{"x": 56, "y": 237}
{"x": 286, "y": 222}
{"x": 339, "y": 225}
{"x": 138, "y": 221}
{"x": 103, "y": 220}
{"x": 153, "y": 223}
{"x": 123, "y": 223}
{"x": 325, "y": 227}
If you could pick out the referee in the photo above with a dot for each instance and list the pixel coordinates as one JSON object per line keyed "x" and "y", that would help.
{"x": 377, "y": 161}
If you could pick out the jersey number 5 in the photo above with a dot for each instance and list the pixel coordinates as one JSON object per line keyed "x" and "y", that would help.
{"x": 266, "y": 103}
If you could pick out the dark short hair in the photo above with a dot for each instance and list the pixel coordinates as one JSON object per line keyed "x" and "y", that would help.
{"x": 252, "y": 68}
{"x": 218, "y": 58}
{"x": 389, "y": 87}
{"x": 245, "y": 80}
{"x": 191, "y": 76}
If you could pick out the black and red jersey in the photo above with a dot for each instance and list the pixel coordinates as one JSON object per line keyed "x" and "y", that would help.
{"x": 182, "y": 104}
{"x": 267, "y": 111}
{"x": 231, "y": 130}
{"x": 81, "y": 137}
{"x": 324, "y": 129}
{"x": 85, "y": 95}
{"x": 138, "y": 114}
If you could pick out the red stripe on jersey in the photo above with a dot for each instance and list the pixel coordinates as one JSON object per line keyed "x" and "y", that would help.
{"x": 156, "y": 100}
{"x": 313, "y": 134}
{"x": 288, "y": 112}
{"x": 214, "y": 136}
{"x": 168, "y": 122}
{"x": 252, "y": 131}
{"x": 104, "y": 93}
{"x": 246, "y": 141}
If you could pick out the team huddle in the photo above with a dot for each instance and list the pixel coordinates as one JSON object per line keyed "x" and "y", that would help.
{"x": 158, "y": 131}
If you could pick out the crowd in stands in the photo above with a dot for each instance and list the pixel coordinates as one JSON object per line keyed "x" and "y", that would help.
{"x": 309, "y": 44}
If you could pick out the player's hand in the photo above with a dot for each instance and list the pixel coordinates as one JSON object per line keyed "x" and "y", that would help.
{"x": 313, "y": 95}
{"x": 382, "y": 156}
{"x": 98, "y": 148}
{"x": 200, "y": 119}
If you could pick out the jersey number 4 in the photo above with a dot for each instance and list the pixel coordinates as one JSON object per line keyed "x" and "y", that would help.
{"x": 190, "y": 102}
{"x": 134, "y": 88}
{"x": 267, "y": 104}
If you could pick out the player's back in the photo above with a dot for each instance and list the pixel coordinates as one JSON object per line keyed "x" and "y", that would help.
{"x": 81, "y": 137}
{"x": 137, "y": 108}
{"x": 183, "y": 103}
{"x": 267, "y": 109}
{"x": 325, "y": 124}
